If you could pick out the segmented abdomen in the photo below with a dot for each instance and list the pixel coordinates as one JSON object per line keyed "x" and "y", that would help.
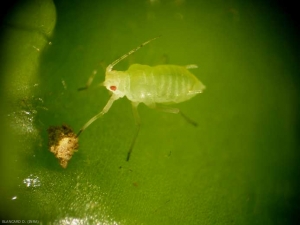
{"x": 161, "y": 84}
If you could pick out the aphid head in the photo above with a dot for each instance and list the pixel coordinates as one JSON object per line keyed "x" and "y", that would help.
{"x": 116, "y": 82}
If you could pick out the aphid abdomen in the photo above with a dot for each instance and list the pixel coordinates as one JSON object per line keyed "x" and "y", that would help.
{"x": 162, "y": 84}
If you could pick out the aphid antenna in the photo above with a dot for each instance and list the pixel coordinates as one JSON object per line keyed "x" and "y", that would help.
{"x": 110, "y": 66}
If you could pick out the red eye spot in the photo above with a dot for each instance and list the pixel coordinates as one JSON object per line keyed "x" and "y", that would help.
{"x": 113, "y": 88}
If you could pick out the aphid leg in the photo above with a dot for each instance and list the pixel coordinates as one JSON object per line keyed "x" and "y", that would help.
{"x": 91, "y": 78}
{"x": 104, "y": 110}
{"x": 173, "y": 110}
{"x": 89, "y": 82}
{"x": 189, "y": 120}
{"x": 138, "y": 125}
{"x": 191, "y": 66}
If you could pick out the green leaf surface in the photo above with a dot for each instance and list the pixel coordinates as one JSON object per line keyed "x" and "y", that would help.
{"x": 239, "y": 166}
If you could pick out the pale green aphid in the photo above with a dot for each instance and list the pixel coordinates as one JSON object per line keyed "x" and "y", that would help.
{"x": 165, "y": 84}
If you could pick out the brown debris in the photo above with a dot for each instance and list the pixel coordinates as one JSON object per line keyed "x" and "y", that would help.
{"x": 62, "y": 143}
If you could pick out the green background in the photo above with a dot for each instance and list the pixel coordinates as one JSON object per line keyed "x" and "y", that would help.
{"x": 239, "y": 166}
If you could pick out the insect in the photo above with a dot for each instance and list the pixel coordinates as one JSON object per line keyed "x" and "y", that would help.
{"x": 162, "y": 84}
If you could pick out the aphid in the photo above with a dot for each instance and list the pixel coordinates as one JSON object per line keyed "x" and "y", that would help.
{"x": 163, "y": 84}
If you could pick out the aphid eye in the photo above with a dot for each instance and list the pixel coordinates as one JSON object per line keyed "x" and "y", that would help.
{"x": 113, "y": 88}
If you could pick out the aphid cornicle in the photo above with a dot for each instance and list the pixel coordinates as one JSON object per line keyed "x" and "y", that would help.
{"x": 163, "y": 84}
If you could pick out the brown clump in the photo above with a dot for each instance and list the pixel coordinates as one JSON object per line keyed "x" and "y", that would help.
{"x": 62, "y": 143}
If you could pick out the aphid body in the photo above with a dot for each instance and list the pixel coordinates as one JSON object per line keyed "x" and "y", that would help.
{"x": 163, "y": 84}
